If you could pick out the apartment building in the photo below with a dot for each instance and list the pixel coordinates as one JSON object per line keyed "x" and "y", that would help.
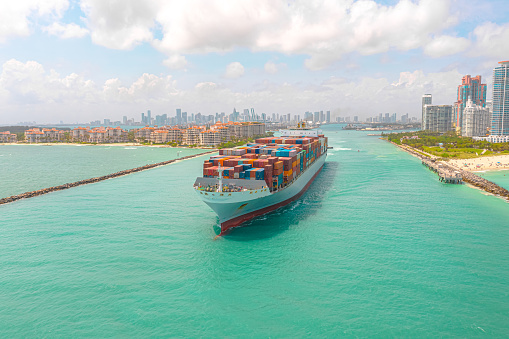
{"x": 8, "y": 137}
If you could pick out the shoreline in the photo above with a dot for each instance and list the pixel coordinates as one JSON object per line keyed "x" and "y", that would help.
{"x": 133, "y": 144}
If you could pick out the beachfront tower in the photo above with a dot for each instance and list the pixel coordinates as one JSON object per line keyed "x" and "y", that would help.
{"x": 500, "y": 116}
{"x": 470, "y": 88}
{"x": 426, "y": 100}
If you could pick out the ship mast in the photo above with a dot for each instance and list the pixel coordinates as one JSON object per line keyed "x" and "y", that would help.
{"x": 220, "y": 177}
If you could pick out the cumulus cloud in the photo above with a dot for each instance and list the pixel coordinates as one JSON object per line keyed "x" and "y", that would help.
{"x": 66, "y": 31}
{"x": 176, "y": 62}
{"x": 120, "y": 24}
{"x": 492, "y": 40}
{"x": 270, "y": 67}
{"x": 445, "y": 45}
{"x": 14, "y": 15}
{"x": 234, "y": 70}
{"x": 325, "y": 30}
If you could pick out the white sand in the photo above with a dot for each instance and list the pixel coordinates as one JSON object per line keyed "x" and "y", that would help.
{"x": 490, "y": 163}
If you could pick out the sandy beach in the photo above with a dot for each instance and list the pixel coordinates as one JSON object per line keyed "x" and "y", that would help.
{"x": 490, "y": 163}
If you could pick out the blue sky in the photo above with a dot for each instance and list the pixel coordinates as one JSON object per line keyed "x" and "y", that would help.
{"x": 78, "y": 61}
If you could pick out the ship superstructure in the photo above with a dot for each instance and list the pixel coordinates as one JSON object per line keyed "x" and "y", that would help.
{"x": 244, "y": 182}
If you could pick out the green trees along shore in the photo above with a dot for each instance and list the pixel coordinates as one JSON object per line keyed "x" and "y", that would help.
{"x": 448, "y": 145}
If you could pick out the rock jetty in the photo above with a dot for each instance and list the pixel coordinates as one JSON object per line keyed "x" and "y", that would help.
{"x": 469, "y": 177}
{"x": 96, "y": 179}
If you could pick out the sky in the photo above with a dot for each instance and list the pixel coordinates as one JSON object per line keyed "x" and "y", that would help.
{"x": 78, "y": 61}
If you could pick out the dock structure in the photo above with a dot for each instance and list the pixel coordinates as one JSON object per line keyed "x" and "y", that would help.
{"x": 96, "y": 179}
{"x": 445, "y": 173}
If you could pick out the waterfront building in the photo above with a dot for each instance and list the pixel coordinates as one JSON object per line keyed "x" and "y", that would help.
{"x": 426, "y": 100}
{"x": 438, "y": 118}
{"x": 500, "y": 115}
{"x": 8, "y": 137}
{"x": 476, "y": 120}
{"x": 210, "y": 138}
{"x": 470, "y": 88}
{"x": 191, "y": 135}
{"x": 36, "y": 135}
{"x": 143, "y": 134}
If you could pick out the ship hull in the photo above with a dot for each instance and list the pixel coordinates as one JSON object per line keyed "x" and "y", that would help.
{"x": 233, "y": 211}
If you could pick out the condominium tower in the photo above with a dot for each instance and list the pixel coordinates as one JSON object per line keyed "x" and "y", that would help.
{"x": 426, "y": 100}
{"x": 470, "y": 88}
{"x": 500, "y": 116}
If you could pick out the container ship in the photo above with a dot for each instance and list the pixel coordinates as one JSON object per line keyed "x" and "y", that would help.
{"x": 245, "y": 182}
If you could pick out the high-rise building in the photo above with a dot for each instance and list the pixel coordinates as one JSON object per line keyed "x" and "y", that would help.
{"x": 317, "y": 117}
{"x": 438, "y": 118}
{"x": 179, "y": 116}
{"x": 184, "y": 117}
{"x": 470, "y": 88}
{"x": 143, "y": 118}
{"x": 328, "y": 117}
{"x": 476, "y": 120}
{"x": 124, "y": 120}
{"x": 426, "y": 100}
{"x": 500, "y": 115}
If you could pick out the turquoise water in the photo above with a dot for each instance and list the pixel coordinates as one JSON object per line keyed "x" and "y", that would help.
{"x": 377, "y": 247}
{"x": 26, "y": 168}
{"x": 501, "y": 178}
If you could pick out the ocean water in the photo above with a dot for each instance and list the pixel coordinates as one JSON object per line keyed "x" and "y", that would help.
{"x": 377, "y": 247}
{"x": 501, "y": 178}
{"x": 26, "y": 168}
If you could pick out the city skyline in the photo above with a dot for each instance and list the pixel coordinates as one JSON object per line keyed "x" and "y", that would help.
{"x": 78, "y": 61}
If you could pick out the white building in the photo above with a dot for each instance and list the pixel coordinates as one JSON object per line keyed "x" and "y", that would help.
{"x": 476, "y": 120}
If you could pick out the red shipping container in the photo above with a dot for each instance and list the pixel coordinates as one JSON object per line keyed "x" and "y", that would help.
{"x": 238, "y": 168}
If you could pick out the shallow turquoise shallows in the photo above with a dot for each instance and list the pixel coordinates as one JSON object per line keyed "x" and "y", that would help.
{"x": 377, "y": 247}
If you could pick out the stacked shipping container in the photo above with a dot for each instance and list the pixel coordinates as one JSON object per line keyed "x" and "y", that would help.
{"x": 278, "y": 161}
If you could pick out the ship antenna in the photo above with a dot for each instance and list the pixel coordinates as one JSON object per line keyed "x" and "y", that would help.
{"x": 220, "y": 188}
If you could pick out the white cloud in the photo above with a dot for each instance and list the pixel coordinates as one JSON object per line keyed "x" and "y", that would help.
{"x": 176, "y": 62}
{"x": 120, "y": 24}
{"x": 325, "y": 30}
{"x": 270, "y": 67}
{"x": 14, "y": 15}
{"x": 234, "y": 70}
{"x": 66, "y": 31}
{"x": 445, "y": 45}
{"x": 492, "y": 40}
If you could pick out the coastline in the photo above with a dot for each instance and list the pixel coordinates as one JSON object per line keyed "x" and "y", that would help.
{"x": 129, "y": 144}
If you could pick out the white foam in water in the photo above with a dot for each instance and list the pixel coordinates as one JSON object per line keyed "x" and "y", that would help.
{"x": 130, "y": 147}
{"x": 344, "y": 149}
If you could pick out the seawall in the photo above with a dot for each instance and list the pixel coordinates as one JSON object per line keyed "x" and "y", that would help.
{"x": 96, "y": 179}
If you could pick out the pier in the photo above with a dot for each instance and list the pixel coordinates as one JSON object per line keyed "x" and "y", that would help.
{"x": 36, "y": 193}
{"x": 452, "y": 175}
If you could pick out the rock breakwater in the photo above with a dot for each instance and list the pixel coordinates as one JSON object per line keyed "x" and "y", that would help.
{"x": 93, "y": 180}
{"x": 466, "y": 176}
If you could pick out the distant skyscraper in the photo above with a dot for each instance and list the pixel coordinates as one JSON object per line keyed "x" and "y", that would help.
{"x": 500, "y": 115}
{"x": 142, "y": 118}
{"x": 426, "y": 100}
{"x": 470, "y": 88}
{"x": 149, "y": 117}
{"x": 124, "y": 120}
{"x": 184, "y": 117}
{"x": 328, "y": 117}
{"x": 179, "y": 116}
{"x": 317, "y": 117}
